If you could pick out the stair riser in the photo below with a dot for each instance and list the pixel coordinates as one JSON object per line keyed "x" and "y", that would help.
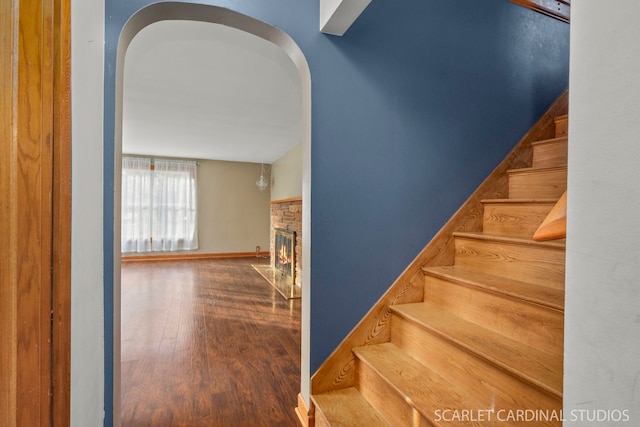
{"x": 320, "y": 420}
{"x": 517, "y": 219}
{"x": 526, "y": 322}
{"x": 562, "y": 126}
{"x": 345, "y": 408}
{"x": 500, "y": 389}
{"x": 382, "y": 396}
{"x": 545, "y": 184}
{"x": 535, "y": 264}
{"x": 550, "y": 155}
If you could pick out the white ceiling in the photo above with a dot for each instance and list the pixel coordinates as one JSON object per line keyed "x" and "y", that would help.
{"x": 207, "y": 91}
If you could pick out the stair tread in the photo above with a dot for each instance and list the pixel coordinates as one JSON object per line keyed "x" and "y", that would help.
{"x": 559, "y": 139}
{"x": 519, "y": 201}
{"x": 505, "y": 238}
{"x": 529, "y": 363}
{"x": 418, "y": 385}
{"x": 536, "y": 170}
{"x": 549, "y": 297}
{"x": 348, "y": 408}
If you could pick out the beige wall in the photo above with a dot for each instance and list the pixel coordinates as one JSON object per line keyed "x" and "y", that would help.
{"x": 233, "y": 215}
{"x": 286, "y": 175}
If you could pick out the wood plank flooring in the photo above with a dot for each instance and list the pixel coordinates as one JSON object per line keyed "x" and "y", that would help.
{"x": 207, "y": 343}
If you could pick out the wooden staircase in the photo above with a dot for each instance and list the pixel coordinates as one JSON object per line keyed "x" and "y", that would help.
{"x": 484, "y": 345}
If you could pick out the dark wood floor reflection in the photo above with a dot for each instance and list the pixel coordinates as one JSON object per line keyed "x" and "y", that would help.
{"x": 207, "y": 343}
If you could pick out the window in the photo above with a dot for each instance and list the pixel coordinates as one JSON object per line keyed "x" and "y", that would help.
{"x": 159, "y": 209}
{"x": 136, "y": 205}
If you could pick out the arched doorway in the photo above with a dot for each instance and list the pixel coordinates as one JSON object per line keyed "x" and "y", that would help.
{"x": 216, "y": 15}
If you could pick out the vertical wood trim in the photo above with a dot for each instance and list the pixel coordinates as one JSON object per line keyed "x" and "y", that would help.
{"x": 45, "y": 144}
{"x": 8, "y": 339}
{"x": 33, "y": 158}
{"x": 26, "y": 161}
{"x": 61, "y": 298}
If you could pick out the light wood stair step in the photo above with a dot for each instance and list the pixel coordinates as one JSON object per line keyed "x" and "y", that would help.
{"x": 519, "y": 217}
{"x": 500, "y": 304}
{"x": 398, "y": 386}
{"x": 541, "y": 263}
{"x": 470, "y": 276}
{"x": 550, "y": 153}
{"x": 345, "y": 408}
{"x": 527, "y": 363}
{"x": 543, "y": 183}
{"x": 493, "y": 386}
{"x": 562, "y": 125}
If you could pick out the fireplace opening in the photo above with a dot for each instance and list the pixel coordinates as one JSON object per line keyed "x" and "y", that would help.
{"x": 284, "y": 252}
{"x": 281, "y": 271}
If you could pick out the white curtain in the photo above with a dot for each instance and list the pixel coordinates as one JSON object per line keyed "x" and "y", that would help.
{"x": 136, "y": 204}
{"x": 174, "y": 213}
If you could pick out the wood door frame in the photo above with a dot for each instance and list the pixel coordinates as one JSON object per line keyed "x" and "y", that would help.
{"x": 61, "y": 220}
{"x": 35, "y": 189}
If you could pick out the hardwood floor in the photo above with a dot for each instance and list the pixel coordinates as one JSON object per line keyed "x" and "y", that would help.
{"x": 207, "y": 343}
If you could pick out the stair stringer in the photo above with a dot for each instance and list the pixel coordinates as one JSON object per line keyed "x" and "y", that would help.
{"x": 339, "y": 369}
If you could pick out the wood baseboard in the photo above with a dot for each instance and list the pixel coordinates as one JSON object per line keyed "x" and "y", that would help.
{"x": 176, "y": 257}
{"x": 304, "y": 415}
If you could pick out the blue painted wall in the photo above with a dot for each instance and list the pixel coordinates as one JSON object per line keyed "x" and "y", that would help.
{"x": 412, "y": 109}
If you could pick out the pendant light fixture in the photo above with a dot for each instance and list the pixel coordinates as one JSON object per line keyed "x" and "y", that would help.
{"x": 262, "y": 182}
